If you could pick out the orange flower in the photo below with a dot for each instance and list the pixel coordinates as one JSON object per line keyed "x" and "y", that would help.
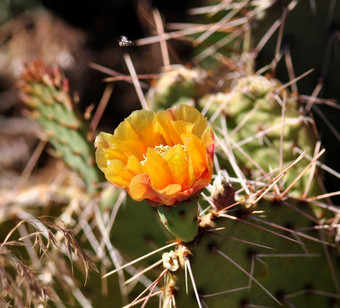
{"x": 163, "y": 157}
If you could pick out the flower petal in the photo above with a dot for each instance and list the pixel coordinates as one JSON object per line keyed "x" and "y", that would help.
{"x": 156, "y": 167}
{"x": 208, "y": 139}
{"x": 176, "y": 160}
{"x": 134, "y": 165}
{"x": 182, "y": 127}
{"x": 106, "y": 150}
{"x": 191, "y": 115}
{"x": 117, "y": 174}
{"x": 165, "y": 118}
{"x": 140, "y": 188}
{"x": 196, "y": 152}
{"x": 165, "y": 157}
{"x": 138, "y": 132}
{"x": 170, "y": 194}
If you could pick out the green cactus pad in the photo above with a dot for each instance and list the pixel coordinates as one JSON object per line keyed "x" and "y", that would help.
{"x": 262, "y": 260}
{"x": 252, "y": 111}
{"x": 178, "y": 85}
{"x": 47, "y": 93}
{"x": 180, "y": 220}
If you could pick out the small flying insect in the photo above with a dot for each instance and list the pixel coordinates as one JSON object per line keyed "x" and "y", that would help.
{"x": 123, "y": 41}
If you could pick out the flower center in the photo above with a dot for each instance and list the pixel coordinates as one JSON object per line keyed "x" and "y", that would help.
{"x": 160, "y": 150}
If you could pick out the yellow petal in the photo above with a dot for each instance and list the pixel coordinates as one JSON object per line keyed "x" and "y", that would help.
{"x": 115, "y": 153}
{"x": 156, "y": 167}
{"x": 197, "y": 157}
{"x": 106, "y": 150}
{"x": 182, "y": 127}
{"x": 208, "y": 139}
{"x": 134, "y": 165}
{"x": 117, "y": 174}
{"x": 164, "y": 119}
{"x": 137, "y": 132}
{"x": 191, "y": 115}
{"x": 176, "y": 160}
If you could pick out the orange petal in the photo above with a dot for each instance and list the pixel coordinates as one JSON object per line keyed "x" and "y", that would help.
{"x": 176, "y": 160}
{"x": 134, "y": 165}
{"x": 170, "y": 194}
{"x": 140, "y": 188}
{"x": 156, "y": 167}
{"x": 169, "y": 190}
{"x": 164, "y": 119}
{"x": 196, "y": 152}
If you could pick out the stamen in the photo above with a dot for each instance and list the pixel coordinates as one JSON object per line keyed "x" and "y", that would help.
{"x": 160, "y": 150}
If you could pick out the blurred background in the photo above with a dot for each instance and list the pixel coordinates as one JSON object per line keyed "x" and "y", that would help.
{"x": 73, "y": 35}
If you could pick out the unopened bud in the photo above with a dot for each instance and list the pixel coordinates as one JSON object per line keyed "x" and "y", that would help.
{"x": 223, "y": 192}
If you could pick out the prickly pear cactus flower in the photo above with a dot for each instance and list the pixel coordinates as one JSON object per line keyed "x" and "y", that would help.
{"x": 163, "y": 157}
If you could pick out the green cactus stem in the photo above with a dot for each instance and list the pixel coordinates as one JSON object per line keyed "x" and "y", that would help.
{"x": 180, "y": 220}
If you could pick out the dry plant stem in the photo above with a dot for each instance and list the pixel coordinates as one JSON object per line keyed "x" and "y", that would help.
{"x": 289, "y": 83}
{"x": 313, "y": 97}
{"x": 187, "y": 265}
{"x": 162, "y": 274}
{"x": 278, "y": 44}
{"x": 112, "y": 72}
{"x": 312, "y": 171}
{"x": 219, "y": 24}
{"x": 144, "y": 271}
{"x": 29, "y": 247}
{"x": 140, "y": 258}
{"x": 101, "y": 107}
{"x": 135, "y": 81}
{"x": 319, "y": 164}
{"x": 163, "y": 44}
{"x": 290, "y": 69}
{"x": 128, "y": 78}
{"x": 301, "y": 174}
{"x": 30, "y": 165}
